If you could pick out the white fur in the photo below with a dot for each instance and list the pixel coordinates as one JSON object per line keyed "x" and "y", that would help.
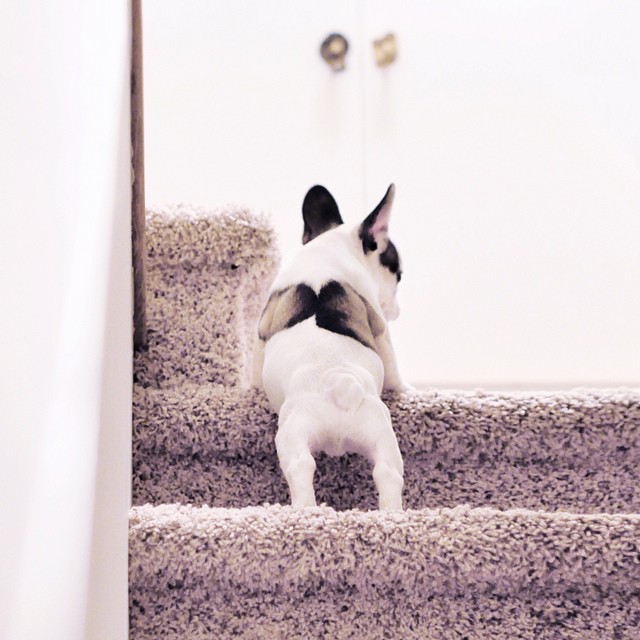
{"x": 325, "y": 386}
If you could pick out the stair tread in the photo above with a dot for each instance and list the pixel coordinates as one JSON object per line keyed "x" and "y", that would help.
{"x": 217, "y": 419}
{"x": 443, "y": 551}
{"x": 277, "y": 572}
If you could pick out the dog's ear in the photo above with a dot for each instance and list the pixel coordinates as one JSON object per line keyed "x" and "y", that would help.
{"x": 319, "y": 212}
{"x": 375, "y": 227}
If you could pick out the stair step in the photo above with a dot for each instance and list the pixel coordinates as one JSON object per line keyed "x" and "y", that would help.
{"x": 208, "y": 274}
{"x": 577, "y": 451}
{"x": 279, "y": 572}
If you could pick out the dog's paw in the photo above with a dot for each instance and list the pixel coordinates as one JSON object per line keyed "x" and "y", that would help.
{"x": 401, "y": 387}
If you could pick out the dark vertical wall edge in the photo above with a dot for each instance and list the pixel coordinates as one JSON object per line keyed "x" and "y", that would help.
{"x": 138, "y": 199}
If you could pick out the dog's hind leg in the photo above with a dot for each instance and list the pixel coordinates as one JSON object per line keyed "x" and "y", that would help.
{"x": 296, "y": 461}
{"x": 388, "y": 467}
{"x": 388, "y": 475}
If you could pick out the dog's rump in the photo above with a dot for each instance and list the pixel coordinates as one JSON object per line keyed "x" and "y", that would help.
{"x": 338, "y": 308}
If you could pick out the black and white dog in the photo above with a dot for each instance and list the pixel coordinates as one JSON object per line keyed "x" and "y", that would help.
{"x": 324, "y": 353}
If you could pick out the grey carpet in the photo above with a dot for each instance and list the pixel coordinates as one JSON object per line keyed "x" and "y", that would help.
{"x": 522, "y": 517}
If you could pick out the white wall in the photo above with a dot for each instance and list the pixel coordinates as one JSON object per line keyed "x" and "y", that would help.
{"x": 65, "y": 344}
{"x": 236, "y": 109}
{"x": 510, "y": 129}
{"x": 513, "y": 128}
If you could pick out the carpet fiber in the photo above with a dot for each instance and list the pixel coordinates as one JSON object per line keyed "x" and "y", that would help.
{"x": 522, "y": 509}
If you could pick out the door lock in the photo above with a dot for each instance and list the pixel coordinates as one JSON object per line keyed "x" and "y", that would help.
{"x": 385, "y": 50}
{"x": 334, "y": 49}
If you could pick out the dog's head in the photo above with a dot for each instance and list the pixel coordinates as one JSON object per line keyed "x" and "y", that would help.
{"x": 370, "y": 240}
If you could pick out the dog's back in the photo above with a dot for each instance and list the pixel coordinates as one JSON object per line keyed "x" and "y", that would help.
{"x": 308, "y": 358}
{"x": 319, "y": 331}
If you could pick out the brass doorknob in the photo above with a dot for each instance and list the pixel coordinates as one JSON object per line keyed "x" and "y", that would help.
{"x": 333, "y": 50}
{"x": 385, "y": 49}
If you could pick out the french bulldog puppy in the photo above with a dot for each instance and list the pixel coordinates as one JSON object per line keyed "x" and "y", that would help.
{"x": 324, "y": 353}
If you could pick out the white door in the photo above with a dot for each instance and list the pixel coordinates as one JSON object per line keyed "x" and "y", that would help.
{"x": 510, "y": 129}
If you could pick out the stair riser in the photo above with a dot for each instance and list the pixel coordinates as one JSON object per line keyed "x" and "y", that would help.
{"x": 344, "y": 616}
{"x": 346, "y": 483}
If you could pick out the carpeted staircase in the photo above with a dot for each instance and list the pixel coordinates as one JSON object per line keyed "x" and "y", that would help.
{"x": 523, "y": 510}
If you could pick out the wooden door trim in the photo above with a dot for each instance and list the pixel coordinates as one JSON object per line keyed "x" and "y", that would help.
{"x": 137, "y": 181}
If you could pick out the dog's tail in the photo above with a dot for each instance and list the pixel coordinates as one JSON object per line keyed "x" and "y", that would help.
{"x": 343, "y": 389}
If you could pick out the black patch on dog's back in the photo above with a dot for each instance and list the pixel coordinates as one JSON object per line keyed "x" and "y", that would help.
{"x": 304, "y": 306}
{"x": 336, "y": 311}
{"x": 338, "y": 308}
{"x": 286, "y": 308}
